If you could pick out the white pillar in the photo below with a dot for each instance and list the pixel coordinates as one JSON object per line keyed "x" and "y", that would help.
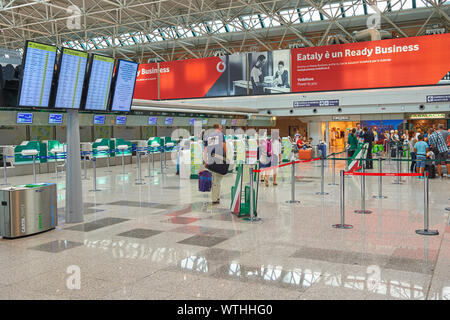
{"x": 74, "y": 195}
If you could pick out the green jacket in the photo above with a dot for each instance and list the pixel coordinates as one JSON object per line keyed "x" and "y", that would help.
{"x": 352, "y": 141}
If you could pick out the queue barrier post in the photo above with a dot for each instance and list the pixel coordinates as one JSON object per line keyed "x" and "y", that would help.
{"x": 425, "y": 231}
{"x": 160, "y": 159}
{"x": 5, "y": 174}
{"x": 84, "y": 166}
{"x": 380, "y": 180}
{"x": 322, "y": 181}
{"x": 252, "y": 214}
{"x": 153, "y": 161}
{"x": 139, "y": 168}
{"x": 293, "y": 185}
{"x": 148, "y": 164}
{"x": 333, "y": 183}
{"x": 342, "y": 225}
{"x": 94, "y": 167}
{"x": 363, "y": 195}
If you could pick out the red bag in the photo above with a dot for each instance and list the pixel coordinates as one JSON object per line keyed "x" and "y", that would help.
{"x": 305, "y": 154}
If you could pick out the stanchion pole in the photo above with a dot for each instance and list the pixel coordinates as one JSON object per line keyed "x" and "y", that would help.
{"x": 425, "y": 231}
{"x": 153, "y": 161}
{"x": 363, "y": 195}
{"x": 5, "y": 174}
{"x": 148, "y": 163}
{"x": 252, "y": 214}
{"x": 333, "y": 183}
{"x": 322, "y": 181}
{"x": 293, "y": 185}
{"x": 94, "y": 167}
{"x": 56, "y": 165}
{"x": 165, "y": 156}
{"x": 107, "y": 161}
{"x": 34, "y": 168}
{"x": 139, "y": 179}
{"x": 380, "y": 180}
{"x": 160, "y": 160}
{"x": 84, "y": 165}
{"x": 342, "y": 225}
{"x": 123, "y": 161}
{"x": 398, "y": 181}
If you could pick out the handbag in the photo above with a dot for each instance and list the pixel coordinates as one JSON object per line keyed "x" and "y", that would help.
{"x": 219, "y": 165}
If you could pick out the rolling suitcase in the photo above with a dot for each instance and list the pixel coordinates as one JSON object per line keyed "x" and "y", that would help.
{"x": 431, "y": 169}
{"x": 204, "y": 181}
{"x": 322, "y": 150}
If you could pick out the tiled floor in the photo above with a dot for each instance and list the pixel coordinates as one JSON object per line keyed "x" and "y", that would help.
{"x": 164, "y": 240}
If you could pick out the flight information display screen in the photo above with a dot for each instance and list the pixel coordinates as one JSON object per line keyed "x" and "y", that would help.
{"x": 70, "y": 79}
{"x": 152, "y": 121}
{"x": 192, "y": 121}
{"x": 121, "y": 119}
{"x": 169, "y": 120}
{"x": 233, "y": 122}
{"x": 99, "y": 84}
{"x": 224, "y": 122}
{"x": 125, "y": 80}
{"x": 55, "y": 118}
{"x": 38, "y": 68}
{"x": 99, "y": 119}
{"x": 24, "y": 117}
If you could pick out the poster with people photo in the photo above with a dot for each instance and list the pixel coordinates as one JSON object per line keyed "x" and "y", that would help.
{"x": 269, "y": 72}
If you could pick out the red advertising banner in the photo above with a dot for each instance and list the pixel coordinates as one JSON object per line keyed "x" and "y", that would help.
{"x": 400, "y": 62}
{"x": 191, "y": 78}
{"x": 146, "y": 87}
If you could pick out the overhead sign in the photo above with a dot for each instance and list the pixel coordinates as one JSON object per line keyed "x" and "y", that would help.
{"x": 387, "y": 63}
{"x": 439, "y": 98}
{"x": 340, "y": 118}
{"x": 428, "y": 116}
{"x": 316, "y": 103}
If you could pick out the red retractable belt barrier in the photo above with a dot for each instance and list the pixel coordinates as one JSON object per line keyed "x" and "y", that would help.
{"x": 284, "y": 165}
{"x": 385, "y": 174}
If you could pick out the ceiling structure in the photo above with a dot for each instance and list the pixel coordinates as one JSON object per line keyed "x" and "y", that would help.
{"x": 149, "y": 30}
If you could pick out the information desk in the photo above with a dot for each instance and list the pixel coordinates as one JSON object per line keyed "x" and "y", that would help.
{"x": 28, "y": 209}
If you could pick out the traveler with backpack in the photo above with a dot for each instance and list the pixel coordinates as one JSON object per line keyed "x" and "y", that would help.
{"x": 438, "y": 145}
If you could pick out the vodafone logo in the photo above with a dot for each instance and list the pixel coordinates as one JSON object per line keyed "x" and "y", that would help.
{"x": 221, "y": 67}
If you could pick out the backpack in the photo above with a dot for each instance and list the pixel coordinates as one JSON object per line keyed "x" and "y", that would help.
{"x": 204, "y": 181}
{"x": 269, "y": 147}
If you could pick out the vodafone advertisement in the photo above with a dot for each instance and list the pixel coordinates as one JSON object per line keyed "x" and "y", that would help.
{"x": 192, "y": 78}
{"x": 401, "y": 62}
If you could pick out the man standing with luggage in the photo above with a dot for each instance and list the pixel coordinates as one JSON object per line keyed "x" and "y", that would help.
{"x": 215, "y": 159}
{"x": 439, "y": 147}
{"x": 368, "y": 138}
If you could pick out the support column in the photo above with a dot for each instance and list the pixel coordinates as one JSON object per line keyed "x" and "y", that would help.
{"x": 74, "y": 195}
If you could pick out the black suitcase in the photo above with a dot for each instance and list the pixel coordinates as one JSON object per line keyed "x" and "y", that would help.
{"x": 393, "y": 153}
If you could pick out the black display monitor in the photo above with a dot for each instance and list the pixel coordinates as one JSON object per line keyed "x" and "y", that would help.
{"x": 121, "y": 120}
{"x": 24, "y": 118}
{"x": 55, "y": 118}
{"x": 70, "y": 75}
{"x": 169, "y": 120}
{"x": 152, "y": 121}
{"x": 99, "y": 119}
{"x": 98, "y": 82}
{"x": 37, "y": 75}
{"x": 123, "y": 85}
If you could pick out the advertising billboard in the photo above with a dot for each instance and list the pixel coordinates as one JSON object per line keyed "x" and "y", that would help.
{"x": 388, "y": 63}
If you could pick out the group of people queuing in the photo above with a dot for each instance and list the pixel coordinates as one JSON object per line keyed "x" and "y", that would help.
{"x": 433, "y": 143}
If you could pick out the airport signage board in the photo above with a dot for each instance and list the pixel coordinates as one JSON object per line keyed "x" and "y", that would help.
{"x": 316, "y": 103}
{"x": 427, "y": 116}
{"x": 439, "y": 98}
{"x": 398, "y": 62}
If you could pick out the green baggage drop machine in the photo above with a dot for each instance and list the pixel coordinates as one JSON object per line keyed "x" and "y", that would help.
{"x": 240, "y": 199}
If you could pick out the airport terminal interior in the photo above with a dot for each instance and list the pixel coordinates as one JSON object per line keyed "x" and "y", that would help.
{"x": 333, "y": 118}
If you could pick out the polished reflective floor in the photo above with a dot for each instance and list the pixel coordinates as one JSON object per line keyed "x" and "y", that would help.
{"x": 164, "y": 240}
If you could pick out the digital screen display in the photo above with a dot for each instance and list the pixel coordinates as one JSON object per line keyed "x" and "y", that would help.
{"x": 24, "y": 117}
{"x": 192, "y": 121}
{"x": 169, "y": 120}
{"x": 204, "y": 121}
{"x": 99, "y": 119}
{"x": 224, "y": 122}
{"x": 233, "y": 122}
{"x": 124, "y": 86}
{"x": 37, "y": 76}
{"x": 99, "y": 84}
{"x": 152, "y": 121}
{"x": 70, "y": 79}
{"x": 55, "y": 118}
{"x": 121, "y": 119}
